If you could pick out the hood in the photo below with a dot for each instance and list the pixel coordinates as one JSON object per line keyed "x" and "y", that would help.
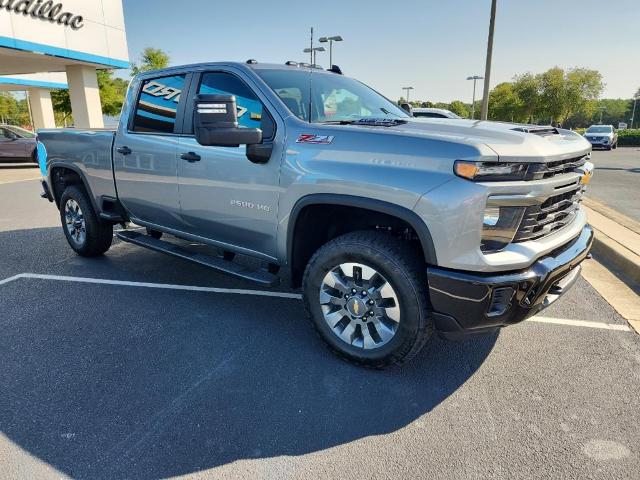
{"x": 510, "y": 141}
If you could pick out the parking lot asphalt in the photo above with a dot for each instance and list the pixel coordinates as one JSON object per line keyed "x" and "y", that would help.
{"x": 617, "y": 180}
{"x": 130, "y": 380}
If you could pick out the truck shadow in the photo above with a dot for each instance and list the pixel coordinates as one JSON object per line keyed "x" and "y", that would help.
{"x": 117, "y": 382}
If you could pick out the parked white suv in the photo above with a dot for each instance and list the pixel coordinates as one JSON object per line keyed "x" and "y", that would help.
{"x": 603, "y": 136}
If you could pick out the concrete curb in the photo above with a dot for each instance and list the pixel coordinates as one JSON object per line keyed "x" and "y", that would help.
{"x": 616, "y": 244}
{"x": 617, "y": 258}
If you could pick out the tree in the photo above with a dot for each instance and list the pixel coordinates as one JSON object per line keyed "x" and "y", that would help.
{"x": 151, "y": 59}
{"x": 112, "y": 92}
{"x": 61, "y": 106}
{"x": 527, "y": 89}
{"x": 553, "y": 94}
{"x": 505, "y": 104}
{"x": 583, "y": 88}
{"x": 459, "y": 108}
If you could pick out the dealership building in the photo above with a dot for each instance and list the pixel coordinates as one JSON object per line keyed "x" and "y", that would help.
{"x": 48, "y": 44}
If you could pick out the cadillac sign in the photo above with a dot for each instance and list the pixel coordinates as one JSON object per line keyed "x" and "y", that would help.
{"x": 44, "y": 10}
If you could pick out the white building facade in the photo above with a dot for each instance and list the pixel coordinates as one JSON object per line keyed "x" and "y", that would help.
{"x": 46, "y": 44}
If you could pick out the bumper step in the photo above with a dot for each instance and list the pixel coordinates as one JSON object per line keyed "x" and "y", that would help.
{"x": 262, "y": 277}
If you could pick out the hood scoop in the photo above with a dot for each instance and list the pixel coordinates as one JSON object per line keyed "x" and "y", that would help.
{"x": 540, "y": 131}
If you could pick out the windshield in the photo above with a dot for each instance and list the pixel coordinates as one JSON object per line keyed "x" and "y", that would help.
{"x": 600, "y": 129}
{"x": 334, "y": 98}
{"x": 21, "y": 132}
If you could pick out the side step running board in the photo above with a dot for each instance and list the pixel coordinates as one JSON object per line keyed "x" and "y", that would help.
{"x": 262, "y": 277}
{"x": 111, "y": 217}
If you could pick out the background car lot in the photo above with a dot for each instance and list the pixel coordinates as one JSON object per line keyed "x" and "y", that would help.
{"x": 617, "y": 179}
{"x": 124, "y": 380}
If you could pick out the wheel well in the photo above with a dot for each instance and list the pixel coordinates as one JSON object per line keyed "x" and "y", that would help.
{"x": 315, "y": 225}
{"x": 61, "y": 178}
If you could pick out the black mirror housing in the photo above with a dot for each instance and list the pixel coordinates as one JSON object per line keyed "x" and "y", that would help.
{"x": 407, "y": 108}
{"x": 215, "y": 122}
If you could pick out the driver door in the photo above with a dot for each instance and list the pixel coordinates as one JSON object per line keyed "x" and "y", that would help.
{"x": 224, "y": 197}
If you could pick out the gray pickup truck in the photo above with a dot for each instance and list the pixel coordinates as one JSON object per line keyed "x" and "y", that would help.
{"x": 394, "y": 227}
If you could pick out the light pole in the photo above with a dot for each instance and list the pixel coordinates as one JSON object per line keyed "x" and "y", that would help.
{"x": 473, "y": 103}
{"x": 633, "y": 112}
{"x": 313, "y": 52}
{"x": 408, "y": 89}
{"x": 335, "y": 38}
{"x": 602, "y": 109}
{"x": 487, "y": 69}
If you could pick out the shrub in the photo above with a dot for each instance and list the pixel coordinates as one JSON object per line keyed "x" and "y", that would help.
{"x": 629, "y": 137}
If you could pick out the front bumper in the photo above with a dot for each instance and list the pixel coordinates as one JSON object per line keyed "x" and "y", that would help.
{"x": 597, "y": 142}
{"x": 466, "y": 303}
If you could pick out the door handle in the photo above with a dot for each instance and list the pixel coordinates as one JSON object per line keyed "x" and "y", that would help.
{"x": 191, "y": 157}
{"x": 124, "y": 150}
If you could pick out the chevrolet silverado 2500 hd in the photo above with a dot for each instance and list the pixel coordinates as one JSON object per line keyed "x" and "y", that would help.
{"x": 394, "y": 227}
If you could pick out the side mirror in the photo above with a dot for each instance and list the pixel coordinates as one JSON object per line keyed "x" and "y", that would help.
{"x": 407, "y": 108}
{"x": 215, "y": 123}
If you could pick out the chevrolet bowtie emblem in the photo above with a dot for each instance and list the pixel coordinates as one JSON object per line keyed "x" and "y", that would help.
{"x": 356, "y": 308}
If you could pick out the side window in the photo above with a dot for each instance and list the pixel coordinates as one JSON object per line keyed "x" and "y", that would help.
{"x": 251, "y": 113}
{"x": 4, "y": 134}
{"x": 157, "y": 105}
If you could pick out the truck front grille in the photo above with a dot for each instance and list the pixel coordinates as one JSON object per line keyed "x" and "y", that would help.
{"x": 541, "y": 171}
{"x": 555, "y": 213}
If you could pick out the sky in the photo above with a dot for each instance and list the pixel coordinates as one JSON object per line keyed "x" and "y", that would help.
{"x": 432, "y": 45}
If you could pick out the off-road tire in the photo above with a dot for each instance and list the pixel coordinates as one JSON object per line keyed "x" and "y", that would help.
{"x": 405, "y": 271}
{"x": 98, "y": 233}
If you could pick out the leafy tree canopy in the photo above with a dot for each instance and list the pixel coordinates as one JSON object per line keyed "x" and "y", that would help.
{"x": 151, "y": 59}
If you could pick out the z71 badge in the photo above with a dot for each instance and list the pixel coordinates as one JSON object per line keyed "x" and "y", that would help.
{"x": 317, "y": 139}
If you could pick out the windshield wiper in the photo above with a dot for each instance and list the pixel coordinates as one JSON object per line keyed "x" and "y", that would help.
{"x": 387, "y": 112}
{"x": 369, "y": 121}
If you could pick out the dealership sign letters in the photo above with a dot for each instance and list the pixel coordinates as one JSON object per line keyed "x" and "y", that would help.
{"x": 44, "y": 10}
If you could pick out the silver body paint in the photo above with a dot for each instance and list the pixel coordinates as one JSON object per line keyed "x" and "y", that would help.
{"x": 228, "y": 201}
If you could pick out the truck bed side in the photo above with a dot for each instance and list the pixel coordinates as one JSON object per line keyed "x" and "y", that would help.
{"x": 86, "y": 152}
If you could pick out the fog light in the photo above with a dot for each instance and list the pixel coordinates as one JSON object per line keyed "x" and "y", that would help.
{"x": 499, "y": 226}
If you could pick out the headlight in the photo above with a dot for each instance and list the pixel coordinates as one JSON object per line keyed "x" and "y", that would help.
{"x": 490, "y": 171}
{"x": 499, "y": 226}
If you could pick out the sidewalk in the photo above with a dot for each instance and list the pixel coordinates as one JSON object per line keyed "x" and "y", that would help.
{"x": 617, "y": 247}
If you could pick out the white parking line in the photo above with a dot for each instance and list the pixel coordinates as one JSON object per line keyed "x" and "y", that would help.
{"x": 263, "y": 293}
{"x": 581, "y": 323}
{"x": 166, "y": 286}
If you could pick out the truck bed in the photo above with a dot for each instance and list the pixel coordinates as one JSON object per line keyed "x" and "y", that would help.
{"x": 87, "y": 152}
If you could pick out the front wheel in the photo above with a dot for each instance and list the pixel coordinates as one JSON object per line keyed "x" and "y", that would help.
{"x": 366, "y": 295}
{"x": 86, "y": 233}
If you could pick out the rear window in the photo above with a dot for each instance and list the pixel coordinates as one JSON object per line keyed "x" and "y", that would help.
{"x": 157, "y": 105}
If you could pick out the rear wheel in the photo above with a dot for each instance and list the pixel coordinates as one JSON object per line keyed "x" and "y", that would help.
{"x": 366, "y": 295}
{"x": 86, "y": 233}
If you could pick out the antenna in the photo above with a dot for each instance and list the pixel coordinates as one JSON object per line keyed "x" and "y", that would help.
{"x": 311, "y": 77}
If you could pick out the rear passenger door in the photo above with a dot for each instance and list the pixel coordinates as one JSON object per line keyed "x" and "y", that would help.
{"x": 145, "y": 163}
{"x": 225, "y": 197}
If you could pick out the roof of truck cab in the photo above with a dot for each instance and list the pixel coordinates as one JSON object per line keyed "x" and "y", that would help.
{"x": 240, "y": 65}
